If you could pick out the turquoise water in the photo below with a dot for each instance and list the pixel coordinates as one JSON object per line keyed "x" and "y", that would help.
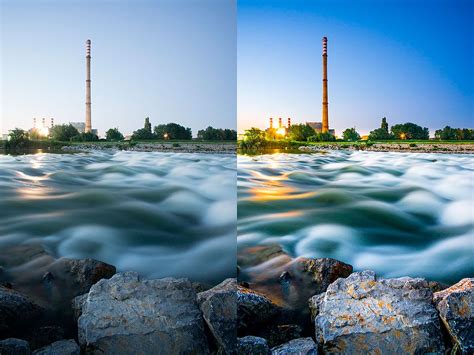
{"x": 161, "y": 214}
{"x": 396, "y": 213}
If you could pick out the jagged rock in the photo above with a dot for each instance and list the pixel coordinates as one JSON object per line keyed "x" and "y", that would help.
{"x": 13, "y": 346}
{"x": 456, "y": 309}
{"x": 78, "y": 274}
{"x": 314, "y": 304}
{"x": 77, "y": 304}
{"x": 253, "y": 310}
{"x": 219, "y": 309}
{"x": 362, "y": 314}
{"x": 301, "y": 346}
{"x": 323, "y": 271}
{"x": 45, "y": 335}
{"x": 281, "y": 333}
{"x": 126, "y": 314}
{"x": 18, "y": 313}
{"x": 252, "y": 345}
{"x": 62, "y": 347}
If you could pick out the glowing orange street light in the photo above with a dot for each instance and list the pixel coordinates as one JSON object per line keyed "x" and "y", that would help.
{"x": 403, "y": 136}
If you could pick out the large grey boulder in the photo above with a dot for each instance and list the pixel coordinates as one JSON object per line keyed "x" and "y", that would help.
{"x": 128, "y": 315}
{"x": 18, "y": 313}
{"x": 62, "y": 347}
{"x": 254, "y": 310}
{"x": 301, "y": 346}
{"x": 13, "y": 346}
{"x": 252, "y": 345}
{"x": 362, "y": 314}
{"x": 219, "y": 309}
{"x": 456, "y": 309}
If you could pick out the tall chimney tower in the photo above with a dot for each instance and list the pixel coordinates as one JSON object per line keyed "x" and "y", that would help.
{"x": 88, "y": 87}
{"x": 289, "y": 122}
{"x": 325, "y": 119}
{"x": 279, "y": 122}
{"x": 271, "y": 122}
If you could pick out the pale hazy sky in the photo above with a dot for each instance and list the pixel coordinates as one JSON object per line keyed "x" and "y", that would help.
{"x": 174, "y": 61}
{"x": 408, "y": 60}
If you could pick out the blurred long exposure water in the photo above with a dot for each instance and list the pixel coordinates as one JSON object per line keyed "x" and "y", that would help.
{"x": 161, "y": 214}
{"x": 396, "y": 213}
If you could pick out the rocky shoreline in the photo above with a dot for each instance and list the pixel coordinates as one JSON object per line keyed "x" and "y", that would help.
{"x": 121, "y": 313}
{"x": 191, "y": 147}
{"x": 396, "y": 147}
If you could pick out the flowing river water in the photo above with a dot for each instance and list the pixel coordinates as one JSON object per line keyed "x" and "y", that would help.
{"x": 161, "y": 214}
{"x": 398, "y": 214}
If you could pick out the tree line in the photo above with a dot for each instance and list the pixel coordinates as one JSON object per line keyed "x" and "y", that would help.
{"x": 169, "y": 131}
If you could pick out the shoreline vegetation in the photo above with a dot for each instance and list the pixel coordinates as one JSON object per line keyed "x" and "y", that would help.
{"x": 406, "y": 137}
{"x": 97, "y": 310}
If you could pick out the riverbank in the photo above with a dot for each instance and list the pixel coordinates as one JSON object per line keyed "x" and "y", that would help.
{"x": 347, "y": 312}
{"x": 175, "y": 147}
{"x": 413, "y": 147}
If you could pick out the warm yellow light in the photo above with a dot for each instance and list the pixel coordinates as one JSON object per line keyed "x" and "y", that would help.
{"x": 281, "y": 131}
{"x": 44, "y": 131}
{"x": 402, "y": 136}
{"x": 165, "y": 136}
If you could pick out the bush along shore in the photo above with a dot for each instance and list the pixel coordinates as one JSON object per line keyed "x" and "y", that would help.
{"x": 84, "y": 306}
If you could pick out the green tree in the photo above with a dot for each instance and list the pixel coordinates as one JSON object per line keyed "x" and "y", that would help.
{"x": 63, "y": 132}
{"x": 85, "y": 137}
{"x": 147, "y": 126}
{"x": 18, "y": 138}
{"x": 381, "y": 133}
{"x": 350, "y": 134}
{"x": 300, "y": 132}
{"x": 384, "y": 124}
{"x": 113, "y": 134}
{"x": 254, "y": 138}
{"x": 173, "y": 131}
{"x": 448, "y": 133}
{"x": 321, "y": 137}
{"x": 410, "y": 131}
{"x": 213, "y": 134}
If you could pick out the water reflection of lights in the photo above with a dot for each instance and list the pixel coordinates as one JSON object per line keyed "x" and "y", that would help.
{"x": 277, "y": 193}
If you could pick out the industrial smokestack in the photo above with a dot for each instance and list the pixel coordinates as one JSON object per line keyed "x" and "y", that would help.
{"x": 271, "y": 122}
{"x": 34, "y": 122}
{"x": 325, "y": 118}
{"x": 88, "y": 127}
{"x": 279, "y": 122}
{"x": 43, "y": 124}
{"x": 289, "y": 122}
{"x": 52, "y": 122}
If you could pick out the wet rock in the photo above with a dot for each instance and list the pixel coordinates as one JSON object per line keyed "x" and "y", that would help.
{"x": 253, "y": 310}
{"x": 13, "y": 346}
{"x": 301, "y": 346}
{"x": 259, "y": 254}
{"x": 45, "y": 335}
{"x": 281, "y": 333}
{"x": 362, "y": 314}
{"x": 62, "y": 347}
{"x": 78, "y": 274}
{"x": 219, "y": 309}
{"x": 126, "y": 314}
{"x": 77, "y": 304}
{"x": 456, "y": 309}
{"x": 314, "y": 304}
{"x": 252, "y": 345}
{"x": 322, "y": 271}
{"x": 18, "y": 313}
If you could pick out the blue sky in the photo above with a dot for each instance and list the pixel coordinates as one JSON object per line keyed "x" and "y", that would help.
{"x": 406, "y": 60}
{"x": 174, "y": 61}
